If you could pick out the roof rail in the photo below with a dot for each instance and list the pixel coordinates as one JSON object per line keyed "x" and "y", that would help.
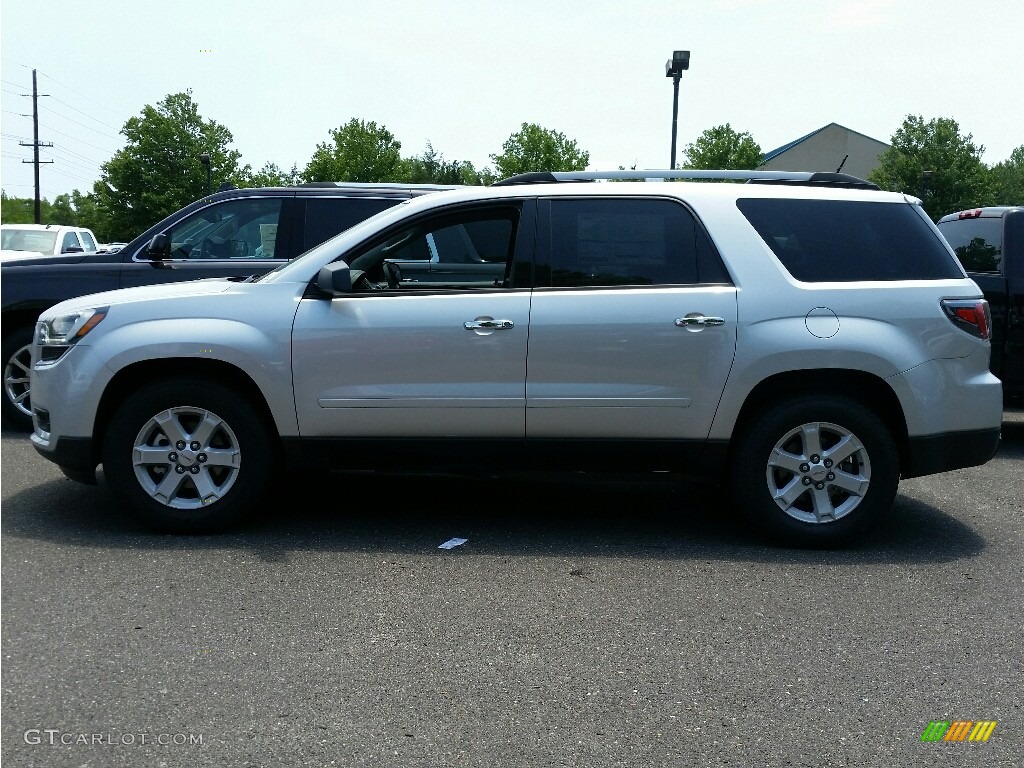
{"x": 760, "y": 177}
{"x": 376, "y": 185}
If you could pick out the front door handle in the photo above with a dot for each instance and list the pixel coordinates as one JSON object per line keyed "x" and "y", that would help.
{"x": 488, "y": 324}
{"x": 698, "y": 320}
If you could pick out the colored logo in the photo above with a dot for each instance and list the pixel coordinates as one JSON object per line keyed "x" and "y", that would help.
{"x": 958, "y": 730}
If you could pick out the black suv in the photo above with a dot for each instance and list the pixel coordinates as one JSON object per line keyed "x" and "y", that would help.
{"x": 232, "y": 233}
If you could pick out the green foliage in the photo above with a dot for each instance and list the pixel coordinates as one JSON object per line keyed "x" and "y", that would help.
{"x": 722, "y": 148}
{"x": 1008, "y": 179}
{"x": 87, "y": 214}
{"x": 20, "y": 210}
{"x": 270, "y": 175}
{"x": 159, "y": 170}
{"x": 432, "y": 168}
{"x": 958, "y": 180}
{"x": 76, "y": 210}
{"x": 359, "y": 151}
{"x": 534, "y": 148}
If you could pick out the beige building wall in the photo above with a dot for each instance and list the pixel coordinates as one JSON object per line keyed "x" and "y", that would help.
{"x": 825, "y": 150}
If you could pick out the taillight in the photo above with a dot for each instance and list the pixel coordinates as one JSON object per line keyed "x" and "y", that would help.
{"x": 971, "y": 315}
{"x": 976, "y": 213}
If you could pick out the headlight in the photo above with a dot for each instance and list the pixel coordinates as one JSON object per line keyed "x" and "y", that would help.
{"x": 56, "y": 335}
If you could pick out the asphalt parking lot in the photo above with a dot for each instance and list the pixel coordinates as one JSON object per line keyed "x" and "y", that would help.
{"x": 582, "y": 623}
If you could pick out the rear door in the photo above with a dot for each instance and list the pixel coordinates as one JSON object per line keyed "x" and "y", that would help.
{"x": 633, "y": 325}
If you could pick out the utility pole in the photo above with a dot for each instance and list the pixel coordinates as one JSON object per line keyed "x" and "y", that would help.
{"x": 35, "y": 140}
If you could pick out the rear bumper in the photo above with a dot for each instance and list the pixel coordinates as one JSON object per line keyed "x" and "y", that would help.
{"x": 931, "y": 454}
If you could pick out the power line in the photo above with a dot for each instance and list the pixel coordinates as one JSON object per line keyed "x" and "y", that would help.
{"x": 68, "y": 135}
{"x": 87, "y": 98}
{"x": 85, "y": 113}
{"x": 64, "y": 149}
{"x": 77, "y": 165}
{"x": 88, "y": 128}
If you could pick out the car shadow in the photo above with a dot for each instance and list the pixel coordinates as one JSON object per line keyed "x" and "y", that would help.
{"x": 564, "y": 516}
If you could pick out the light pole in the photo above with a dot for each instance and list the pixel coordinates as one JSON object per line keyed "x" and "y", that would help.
{"x": 205, "y": 160}
{"x": 674, "y": 68}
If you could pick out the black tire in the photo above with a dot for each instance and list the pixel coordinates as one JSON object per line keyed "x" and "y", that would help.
{"x": 232, "y": 453}
{"x": 824, "y": 503}
{"x": 17, "y": 404}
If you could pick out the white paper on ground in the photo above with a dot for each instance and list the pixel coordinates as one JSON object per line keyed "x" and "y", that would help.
{"x": 452, "y": 543}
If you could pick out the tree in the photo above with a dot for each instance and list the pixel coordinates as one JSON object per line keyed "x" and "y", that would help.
{"x": 62, "y": 212}
{"x": 534, "y": 148}
{"x": 159, "y": 170}
{"x": 1008, "y": 179}
{"x": 432, "y": 168}
{"x": 271, "y": 175}
{"x": 958, "y": 178}
{"x": 21, "y": 210}
{"x": 359, "y": 151}
{"x": 722, "y": 148}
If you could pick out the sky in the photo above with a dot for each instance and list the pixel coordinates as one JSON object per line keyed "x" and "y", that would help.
{"x": 464, "y": 75}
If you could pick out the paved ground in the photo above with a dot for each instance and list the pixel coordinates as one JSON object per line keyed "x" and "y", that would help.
{"x": 581, "y": 624}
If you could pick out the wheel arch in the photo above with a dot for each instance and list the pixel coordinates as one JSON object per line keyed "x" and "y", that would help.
{"x": 130, "y": 378}
{"x": 22, "y": 317}
{"x": 864, "y": 388}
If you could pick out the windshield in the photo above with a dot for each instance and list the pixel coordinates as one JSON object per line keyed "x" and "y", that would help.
{"x": 15, "y": 239}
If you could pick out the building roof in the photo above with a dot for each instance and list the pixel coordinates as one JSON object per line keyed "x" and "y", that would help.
{"x": 786, "y": 147}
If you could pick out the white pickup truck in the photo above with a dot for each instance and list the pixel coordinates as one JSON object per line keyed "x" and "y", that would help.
{"x": 47, "y": 239}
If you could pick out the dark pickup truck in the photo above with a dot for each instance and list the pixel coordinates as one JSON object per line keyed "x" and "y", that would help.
{"x": 232, "y": 233}
{"x": 990, "y": 245}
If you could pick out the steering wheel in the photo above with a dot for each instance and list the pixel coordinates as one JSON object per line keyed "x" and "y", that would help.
{"x": 361, "y": 281}
{"x": 393, "y": 274}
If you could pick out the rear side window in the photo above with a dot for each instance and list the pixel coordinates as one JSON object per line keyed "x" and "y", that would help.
{"x": 977, "y": 242}
{"x": 326, "y": 217}
{"x": 612, "y": 242}
{"x": 849, "y": 241}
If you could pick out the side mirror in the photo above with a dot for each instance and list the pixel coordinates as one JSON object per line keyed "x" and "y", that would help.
{"x": 159, "y": 247}
{"x": 335, "y": 278}
{"x": 73, "y": 249}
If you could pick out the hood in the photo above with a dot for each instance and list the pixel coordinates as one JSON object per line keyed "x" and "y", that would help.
{"x": 34, "y": 258}
{"x": 143, "y": 293}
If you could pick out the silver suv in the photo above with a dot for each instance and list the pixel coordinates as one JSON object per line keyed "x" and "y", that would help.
{"x": 803, "y": 339}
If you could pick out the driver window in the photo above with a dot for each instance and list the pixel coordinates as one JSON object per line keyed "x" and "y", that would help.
{"x": 472, "y": 249}
{"x": 235, "y": 229}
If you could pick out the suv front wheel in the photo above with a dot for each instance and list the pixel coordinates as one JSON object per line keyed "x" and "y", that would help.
{"x": 816, "y": 471}
{"x": 17, "y": 357}
{"x": 187, "y": 456}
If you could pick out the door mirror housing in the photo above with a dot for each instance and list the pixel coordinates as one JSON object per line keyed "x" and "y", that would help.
{"x": 335, "y": 278}
{"x": 159, "y": 247}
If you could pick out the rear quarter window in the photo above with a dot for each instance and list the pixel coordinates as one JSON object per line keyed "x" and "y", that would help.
{"x": 849, "y": 241}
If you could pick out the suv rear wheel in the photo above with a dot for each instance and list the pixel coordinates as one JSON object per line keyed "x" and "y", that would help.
{"x": 816, "y": 471}
{"x": 187, "y": 456}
